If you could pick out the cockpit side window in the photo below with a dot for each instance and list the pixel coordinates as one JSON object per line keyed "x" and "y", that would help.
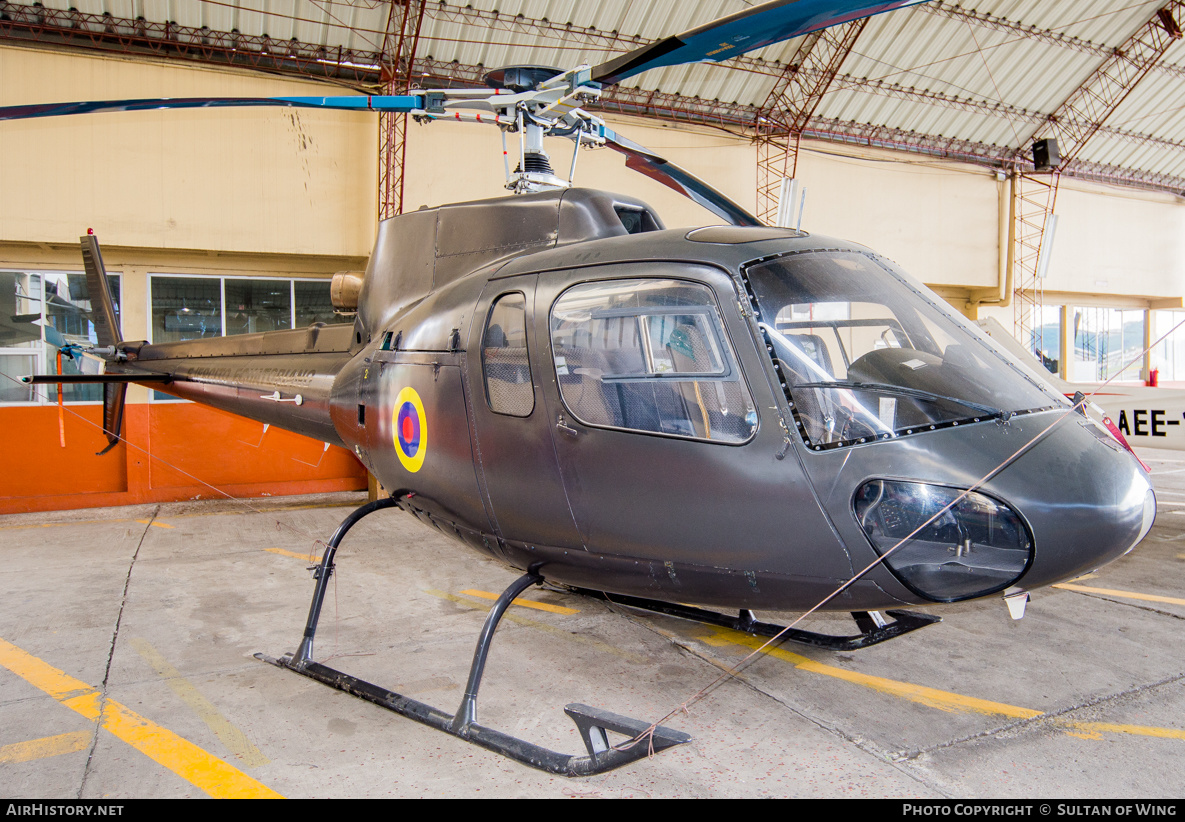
{"x": 504, "y": 361}
{"x": 649, "y": 355}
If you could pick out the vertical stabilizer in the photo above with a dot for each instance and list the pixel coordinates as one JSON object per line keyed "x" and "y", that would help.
{"x": 106, "y": 332}
{"x": 102, "y": 307}
{"x": 113, "y": 400}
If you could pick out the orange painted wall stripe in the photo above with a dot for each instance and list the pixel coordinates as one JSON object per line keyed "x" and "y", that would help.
{"x": 213, "y": 446}
{"x": 179, "y": 755}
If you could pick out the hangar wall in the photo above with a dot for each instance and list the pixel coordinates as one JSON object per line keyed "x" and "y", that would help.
{"x": 279, "y": 193}
{"x": 264, "y": 195}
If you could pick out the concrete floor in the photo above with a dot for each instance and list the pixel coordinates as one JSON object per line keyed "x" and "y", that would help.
{"x": 149, "y": 617}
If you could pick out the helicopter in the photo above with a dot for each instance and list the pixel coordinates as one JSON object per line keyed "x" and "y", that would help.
{"x": 739, "y": 416}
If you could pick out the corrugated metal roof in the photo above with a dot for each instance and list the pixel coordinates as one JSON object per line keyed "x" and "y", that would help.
{"x": 991, "y": 73}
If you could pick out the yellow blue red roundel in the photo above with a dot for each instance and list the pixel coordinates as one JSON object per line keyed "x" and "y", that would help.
{"x": 411, "y": 429}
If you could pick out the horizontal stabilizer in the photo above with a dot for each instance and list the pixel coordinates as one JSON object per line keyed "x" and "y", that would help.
{"x": 95, "y": 379}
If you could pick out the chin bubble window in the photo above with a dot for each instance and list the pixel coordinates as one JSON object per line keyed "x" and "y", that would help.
{"x": 976, "y": 546}
{"x": 649, "y": 355}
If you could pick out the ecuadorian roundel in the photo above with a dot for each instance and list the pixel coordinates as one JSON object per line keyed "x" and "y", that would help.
{"x": 411, "y": 429}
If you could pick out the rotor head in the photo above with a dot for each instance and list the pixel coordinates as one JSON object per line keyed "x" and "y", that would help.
{"x": 521, "y": 78}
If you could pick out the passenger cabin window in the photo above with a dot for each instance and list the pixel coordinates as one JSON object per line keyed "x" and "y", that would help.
{"x": 504, "y": 358}
{"x": 649, "y": 355}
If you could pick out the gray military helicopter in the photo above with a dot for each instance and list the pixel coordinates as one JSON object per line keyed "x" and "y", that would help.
{"x": 740, "y": 416}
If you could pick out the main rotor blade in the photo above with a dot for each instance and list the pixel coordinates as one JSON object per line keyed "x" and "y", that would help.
{"x": 358, "y": 102}
{"x": 643, "y": 160}
{"x": 742, "y": 32}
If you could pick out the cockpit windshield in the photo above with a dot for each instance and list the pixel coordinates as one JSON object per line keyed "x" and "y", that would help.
{"x": 865, "y": 356}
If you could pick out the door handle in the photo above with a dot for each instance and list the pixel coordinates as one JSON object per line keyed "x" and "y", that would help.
{"x": 564, "y": 427}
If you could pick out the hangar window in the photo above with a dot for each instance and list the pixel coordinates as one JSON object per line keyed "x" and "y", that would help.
{"x": 1169, "y": 354}
{"x": 191, "y": 307}
{"x": 186, "y": 308}
{"x": 1045, "y": 339}
{"x": 41, "y": 311}
{"x": 1108, "y": 344}
{"x": 649, "y": 355}
{"x": 504, "y": 358}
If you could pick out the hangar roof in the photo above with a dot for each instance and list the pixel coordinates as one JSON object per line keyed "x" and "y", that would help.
{"x": 942, "y": 78}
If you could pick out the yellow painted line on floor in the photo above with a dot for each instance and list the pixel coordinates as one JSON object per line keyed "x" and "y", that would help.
{"x": 634, "y": 659}
{"x": 308, "y": 507}
{"x": 228, "y": 734}
{"x": 244, "y": 507}
{"x": 1084, "y": 589}
{"x": 81, "y": 522}
{"x": 1094, "y": 730}
{"x": 293, "y": 554}
{"x": 154, "y": 523}
{"x": 57, "y": 524}
{"x": 182, "y": 757}
{"x": 526, "y": 603}
{"x": 931, "y": 697}
{"x": 45, "y": 747}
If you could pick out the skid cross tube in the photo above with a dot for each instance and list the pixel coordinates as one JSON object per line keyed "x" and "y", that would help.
{"x": 467, "y": 713}
{"x": 873, "y": 627}
{"x": 322, "y": 574}
{"x": 593, "y": 724}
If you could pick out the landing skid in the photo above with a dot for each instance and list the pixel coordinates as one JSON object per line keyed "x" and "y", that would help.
{"x": 873, "y": 626}
{"x": 594, "y": 725}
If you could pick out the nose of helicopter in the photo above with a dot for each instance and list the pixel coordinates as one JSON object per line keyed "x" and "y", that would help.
{"x": 1095, "y": 504}
{"x": 1056, "y": 497}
